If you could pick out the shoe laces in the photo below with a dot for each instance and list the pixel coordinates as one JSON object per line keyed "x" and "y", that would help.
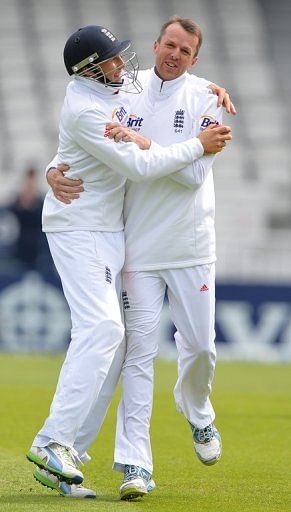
{"x": 203, "y": 435}
{"x": 131, "y": 472}
{"x": 67, "y": 454}
{"x": 76, "y": 459}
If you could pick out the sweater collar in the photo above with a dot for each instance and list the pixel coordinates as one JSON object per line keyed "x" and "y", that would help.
{"x": 96, "y": 87}
{"x": 164, "y": 88}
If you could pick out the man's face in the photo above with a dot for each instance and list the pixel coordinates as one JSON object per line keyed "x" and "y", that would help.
{"x": 175, "y": 52}
{"x": 113, "y": 69}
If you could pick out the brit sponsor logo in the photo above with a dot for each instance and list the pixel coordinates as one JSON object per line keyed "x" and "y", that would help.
{"x": 207, "y": 120}
{"x": 134, "y": 122}
{"x": 179, "y": 120}
{"x": 119, "y": 114}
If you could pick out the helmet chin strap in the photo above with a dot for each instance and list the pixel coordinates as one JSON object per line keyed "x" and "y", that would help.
{"x": 96, "y": 73}
{"x": 108, "y": 83}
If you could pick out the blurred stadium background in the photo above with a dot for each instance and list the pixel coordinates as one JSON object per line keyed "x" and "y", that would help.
{"x": 246, "y": 49}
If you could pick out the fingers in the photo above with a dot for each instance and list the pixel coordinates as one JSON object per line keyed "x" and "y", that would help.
{"x": 63, "y": 167}
{"x": 65, "y": 197}
{"x": 76, "y": 184}
{"x": 64, "y": 189}
{"x": 219, "y": 91}
{"x": 222, "y": 128}
{"x": 127, "y": 138}
{"x": 59, "y": 197}
{"x": 232, "y": 109}
{"x": 109, "y": 126}
{"x": 224, "y": 132}
{"x": 221, "y": 96}
{"x": 119, "y": 133}
{"x": 227, "y": 103}
{"x": 68, "y": 185}
{"x": 226, "y": 136}
{"x": 55, "y": 176}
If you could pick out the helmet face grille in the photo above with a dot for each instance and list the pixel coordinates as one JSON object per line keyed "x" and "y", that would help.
{"x": 129, "y": 81}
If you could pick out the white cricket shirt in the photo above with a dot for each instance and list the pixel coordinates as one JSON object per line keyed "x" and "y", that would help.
{"x": 170, "y": 224}
{"x": 102, "y": 164}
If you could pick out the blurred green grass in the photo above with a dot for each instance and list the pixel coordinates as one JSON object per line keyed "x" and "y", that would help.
{"x": 253, "y": 407}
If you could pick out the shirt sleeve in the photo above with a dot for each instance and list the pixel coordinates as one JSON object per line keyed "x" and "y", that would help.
{"x": 195, "y": 174}
{"x": 52, "y": 164}
{"x": 126, "y": 158}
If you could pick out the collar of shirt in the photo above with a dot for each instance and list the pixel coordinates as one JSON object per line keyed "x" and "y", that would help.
{"x": 162, "y": 88}
{"x": 96, "y": 87}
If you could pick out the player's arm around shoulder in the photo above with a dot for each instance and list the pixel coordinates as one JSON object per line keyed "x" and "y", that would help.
{"x": 220, "y": 93}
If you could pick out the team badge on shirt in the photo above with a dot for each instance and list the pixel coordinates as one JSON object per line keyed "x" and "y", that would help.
{"x": 179, "y": 121}
{"x": 206, "y": 120}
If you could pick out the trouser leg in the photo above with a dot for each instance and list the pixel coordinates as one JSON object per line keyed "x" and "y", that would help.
{"x": 191, "y": 293}
{"x": 93, "y": 423}
{"x": 96, "y": 416}
{"x": 88, "y": 264}
{"x": 144, "y": 300}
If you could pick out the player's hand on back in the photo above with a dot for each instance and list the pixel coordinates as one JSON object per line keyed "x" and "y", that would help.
{"x": 64, "y": 189}
{"x": 213, "y": 138}
{"x": 223, "y": 98}
{"x": 119, "y": 132}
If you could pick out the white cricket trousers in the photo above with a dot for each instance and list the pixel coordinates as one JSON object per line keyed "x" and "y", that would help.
{"x": 191, "y": 295}
{"x": 89, "y": 265}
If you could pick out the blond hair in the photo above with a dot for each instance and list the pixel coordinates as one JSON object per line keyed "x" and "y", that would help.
{"x": 187, "y": 24}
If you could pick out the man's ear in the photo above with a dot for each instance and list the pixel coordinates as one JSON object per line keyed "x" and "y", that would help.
{"x": 194, "y": 61}
{"x": 156, "y": 44}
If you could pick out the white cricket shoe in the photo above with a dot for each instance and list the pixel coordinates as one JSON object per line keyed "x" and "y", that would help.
{"x": 134, "y": 488}
{"x": 137, "y": 482}
{"x": 207, "y": 444}
{"x": 58, "y": 460}
{"x": 151, "y": 486}
{"x": 51, "y": 481}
